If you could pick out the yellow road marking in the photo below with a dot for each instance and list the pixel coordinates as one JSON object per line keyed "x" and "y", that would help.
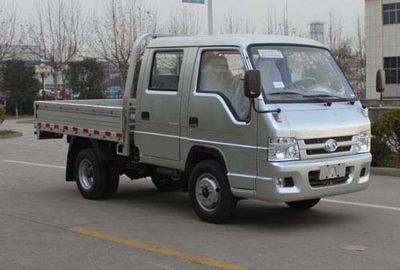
{"x": 159, "y": 250}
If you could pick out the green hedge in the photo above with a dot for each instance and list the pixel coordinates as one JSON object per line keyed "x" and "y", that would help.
{"x": 385, "y": 143}
{"x": 2, "y": 114}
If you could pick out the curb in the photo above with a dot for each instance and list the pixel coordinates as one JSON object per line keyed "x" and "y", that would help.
{"x": 385, "y": 171}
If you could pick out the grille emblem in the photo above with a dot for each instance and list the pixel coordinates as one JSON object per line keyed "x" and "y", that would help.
{"x": 331, "y": 146}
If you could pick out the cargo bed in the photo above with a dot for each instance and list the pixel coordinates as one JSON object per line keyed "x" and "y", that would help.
{"x": 100, "y": 119}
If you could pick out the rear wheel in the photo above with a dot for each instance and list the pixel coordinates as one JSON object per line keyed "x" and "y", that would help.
{"x": 210, "y": 193}
{"x": 94, "y": 181}
{"x": 303, "y": 205}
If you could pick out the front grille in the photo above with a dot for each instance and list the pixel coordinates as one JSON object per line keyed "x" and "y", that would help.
{"x": 323, "y": 140}
{"x": 313, "y": 178}
{"x": 323, "y": 151}
{"x": 315, "y": 148}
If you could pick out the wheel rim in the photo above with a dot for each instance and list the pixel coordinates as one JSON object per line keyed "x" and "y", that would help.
{"x": 207, "y": 192}
{"x": 86, "y": 178}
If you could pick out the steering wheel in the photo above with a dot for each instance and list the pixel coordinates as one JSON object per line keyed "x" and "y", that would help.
{"x": 306, "y": 82}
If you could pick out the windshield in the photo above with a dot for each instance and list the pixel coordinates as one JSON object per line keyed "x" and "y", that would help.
{"x": 294, "y": 73}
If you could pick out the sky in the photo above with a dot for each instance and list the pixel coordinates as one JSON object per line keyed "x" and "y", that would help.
{"x": 300, "y": 12}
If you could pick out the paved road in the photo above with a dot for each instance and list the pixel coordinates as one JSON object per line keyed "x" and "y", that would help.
{"x": 39, "y": 213}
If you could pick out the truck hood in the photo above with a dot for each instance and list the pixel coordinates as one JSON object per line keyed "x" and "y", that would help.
{"x": 319, "y": 121}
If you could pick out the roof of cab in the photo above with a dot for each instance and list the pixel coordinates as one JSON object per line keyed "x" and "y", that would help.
{"x": 229, "y": 40}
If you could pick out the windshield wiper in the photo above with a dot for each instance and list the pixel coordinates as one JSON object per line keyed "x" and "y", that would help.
{"x": 318, "y": 97}
{"x": 292, "y": 92}
{"x": 338, "y": 98}
{"x": 286, "y": 93}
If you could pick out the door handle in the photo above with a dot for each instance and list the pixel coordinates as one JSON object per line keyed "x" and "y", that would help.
{"x": 145, "y": 115}
{"x": 193, "y": 122}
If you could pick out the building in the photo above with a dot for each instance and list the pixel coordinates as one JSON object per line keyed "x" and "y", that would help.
{"x": 27, "y": 53}
{"x": 317, "y": 31}
{"x": 382, "y": 27}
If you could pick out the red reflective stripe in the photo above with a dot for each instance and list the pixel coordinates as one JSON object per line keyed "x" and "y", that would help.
{"x": 96, "y": 132}
{"x": 56, "y": 126}
{"x": 65, "y": 127}
{"x": 85, "y": 130}
{"x": 107, "y": 133}
{"x": 75, "y": 129}
{"x": 119, "y": 135}
{"x": 47, "y": 125}
{"x": 38, "y": 124}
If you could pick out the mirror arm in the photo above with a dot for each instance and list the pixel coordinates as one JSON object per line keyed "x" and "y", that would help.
{"x": 267, "y": 111}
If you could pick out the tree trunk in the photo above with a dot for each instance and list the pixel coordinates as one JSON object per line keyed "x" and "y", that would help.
{"x": 16, "y": 110}
{"x": 54, "y": 73}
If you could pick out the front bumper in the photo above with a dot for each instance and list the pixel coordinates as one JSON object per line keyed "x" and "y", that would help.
{"x": 267, "y": 187}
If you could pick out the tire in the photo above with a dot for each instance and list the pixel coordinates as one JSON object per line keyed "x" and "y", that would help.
{"x": 90, "y": 176}
{"x": 165, "y": 183}
{"x": 303, "y": 205}
{"x": 210, "y": 194}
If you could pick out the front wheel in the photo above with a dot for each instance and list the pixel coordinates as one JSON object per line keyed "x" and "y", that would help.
{"x": 210, "y": 193}
{"x": 303, "y": 205}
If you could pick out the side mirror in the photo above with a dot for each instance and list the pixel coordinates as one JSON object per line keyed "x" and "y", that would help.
{"x": 380, "y": 81}
{"x": 252, "y": 83}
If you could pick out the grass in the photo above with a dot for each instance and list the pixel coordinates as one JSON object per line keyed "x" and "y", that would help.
{"x": 7, "y": 134}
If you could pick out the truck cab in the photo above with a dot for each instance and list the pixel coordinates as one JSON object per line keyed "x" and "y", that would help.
{"x": 241, "y": 117}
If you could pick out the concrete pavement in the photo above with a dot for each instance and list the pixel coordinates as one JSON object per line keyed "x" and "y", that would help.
{"x": 38, "y": 211}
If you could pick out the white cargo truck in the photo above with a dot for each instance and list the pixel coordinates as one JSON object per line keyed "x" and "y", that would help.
{"x": 224, "y": 117}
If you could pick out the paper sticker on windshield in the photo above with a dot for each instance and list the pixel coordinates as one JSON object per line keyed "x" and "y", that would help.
{"x": 272, "y": 54}
{"x": 279, "y": 85}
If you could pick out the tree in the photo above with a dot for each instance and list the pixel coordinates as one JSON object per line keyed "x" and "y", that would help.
{"x": 2, "y": 114}
{"x": 285, "y": 19}
{"x": 86, "y": 78}
{"x": 20, "y": 85}
{"x": 8, "y": 24}
{"x": 183, "y": 23}
{"x": 336, "y": 39}
{"x": 236, "y": 25}
{"x": 231, "y": 24}
{"x": 350, "y": 58}
{"x": 361, "y": 59}
{"x": 272, "y": 25}
{"x": 282, "y": 25}
{"x": 59, "y": 30}
{"x": 115, "y": 31}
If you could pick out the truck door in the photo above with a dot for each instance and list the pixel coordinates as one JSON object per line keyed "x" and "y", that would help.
{"x": 220, "y": 116}
{"x": 157, "y": 131}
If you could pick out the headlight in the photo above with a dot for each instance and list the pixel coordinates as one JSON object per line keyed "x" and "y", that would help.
{"x": 283, "y": 149}
{"x": 363, "y": 142}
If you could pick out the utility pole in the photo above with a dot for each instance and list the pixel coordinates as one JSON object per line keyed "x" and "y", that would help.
{"x": 210, "y": 18}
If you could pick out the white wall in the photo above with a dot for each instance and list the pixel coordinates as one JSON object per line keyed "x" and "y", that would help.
{"x": 381, "y": 41}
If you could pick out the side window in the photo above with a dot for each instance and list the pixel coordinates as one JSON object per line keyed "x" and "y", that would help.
{"x": 166, "y": 70}
{"x": 222, "y": 72}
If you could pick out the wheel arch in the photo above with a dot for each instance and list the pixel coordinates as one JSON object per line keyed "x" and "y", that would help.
{"x": 77, "y": 144}
{"x": 199, "y": 153}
